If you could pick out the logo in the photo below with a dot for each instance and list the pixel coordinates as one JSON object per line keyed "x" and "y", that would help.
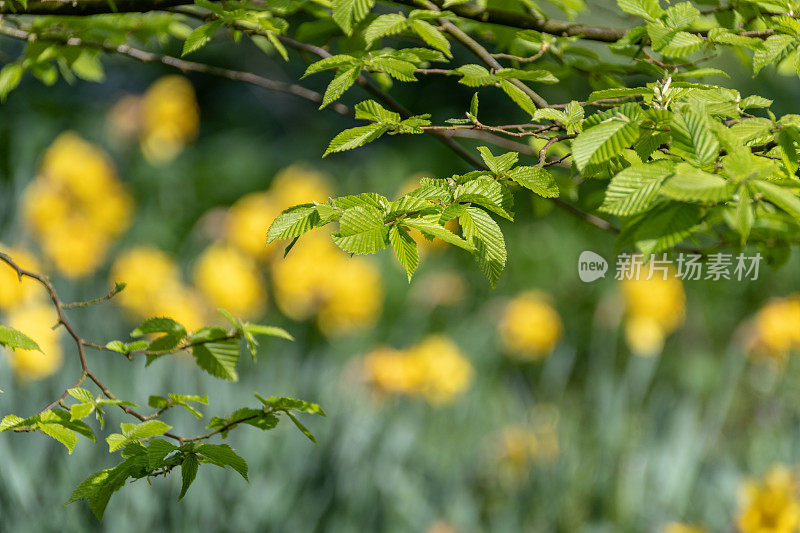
{"x": 591, "y": 266}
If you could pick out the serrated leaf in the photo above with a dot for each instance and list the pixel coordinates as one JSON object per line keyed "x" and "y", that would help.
{"x": 348, "y": 12}
{"x": 647, "y": 9}
{"x": 157, "y": 450}
{"x": 200, "y": 37}
{"x": 293, "y": 222}
{"x": 385, "y": 25}
{"x": 488, "y": 193}
{"x": 431, "y": 36}
{"x": 343, "y": 80}
{"x": 482, "y": 231}
{"x": 12, "y": 339}
{"x": 159, "y": 325}
{"x": 223, "y": 455}
{"x": 405, "y": 249}
{"x": 188, "y": 473}
{"x": 780, "y": 196}
{"x": 603, "y": 141}
{"x": 498, "y": 164}
{"x": 690, "y": 184}
{"x": 633, "y": 190}
{"x": 692, "y": 138}
{"x": 475, "y": 76}
{"x": 775, "y": 49}
{"x": 218, "y": 358}
{"x": 282, "y": 403}
{"x": 535, "y": 179}
{"x": 519, "y": 97}
{"x": 355, "y": 137}
{"x": 429, "y": 225}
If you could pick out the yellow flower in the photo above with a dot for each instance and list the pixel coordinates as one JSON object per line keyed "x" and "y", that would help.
{"x": 76, "y": 248}
{"x": 231, "y": 280}
{"x": 530, "y": 327}
{"x": 777, "y": 329}
{"x": 181, "y": 304}
{"x": 354, "y": 297}
{"x": 248, "y": 221}
{"x": 297, "y": 184}
{"x": 170, "y": 118}
{"x": 676, "y": 527}
{"x": 446, "y": 372}
{"x": 771, "y": 504}
{"x": 300, "y": 280}
{"x": 76, "y": 205}
{"x": 654, "y": 307}
{"x": 36, "y": 320}
{"x": 14, "y": 291}
{"x": 389, "y": 370}
{"x": 148, "y": 273}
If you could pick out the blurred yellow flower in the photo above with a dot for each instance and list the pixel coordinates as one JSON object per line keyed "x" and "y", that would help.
{"x": 14, "y": 291}
{"x": 770, "y": 505}
{"x": 148, "y": 273}
{"x": 76, "y": 206}
{"x": 182, "y": 304}
{"x": 654, "y": 307}
{"x": 36, "y": 320}
{"x": 317, "y": 278}
{"x": 530, "y": 327}
{"x": 677, "y": 527}
{"x": 778, "y": 327}
{"x": 446, "y": 372}
{"x": 434, "y": 369}
{"x": 354, "y": 296}
{"x": 231, "y": 280}
{"x": 154, "y": 288}
{"x": 300, "y": 279}
{"x": 298, "y": 184}
{"x": 170, "y": 118}
{"x": 389, "y": 370}
{"x": 248, "y": 221}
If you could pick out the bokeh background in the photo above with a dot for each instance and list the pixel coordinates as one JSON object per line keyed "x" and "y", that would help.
{"x": 547, "y": 404}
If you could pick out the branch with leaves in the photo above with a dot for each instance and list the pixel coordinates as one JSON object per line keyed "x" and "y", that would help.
{"x": 144, "y": 451}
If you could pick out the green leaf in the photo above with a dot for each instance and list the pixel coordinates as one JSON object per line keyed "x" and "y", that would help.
{"x": 188, "y": 473}
{"x": 692, "y": 138}
{"x": 372, "y": 110}
{"x": 223, "y": 455}
{"x": 431, "y": 36}
{"x": 539, "y": 76}
{"x": 633, "y": 190}
{"x": 157, "y": 450}
{"x": 362, "y": 231}
{"x": 338, "y": 61}
{"x": 782, "y": 197}
{"x": 200, "y": 37}
{"x": 429, "y": 225}
{"x": 12, "y": 339}
{"x": 405, "y": 249}
{"x": 293, "y": 222}
{"x": 52, "y": 426}
{"x": 775, "y": 49}
{"x": 482, "y": 231}
{"x": 271, "y": 331}
{"x": 690, "y": 184}
{"x": 343, "y": 81}
{"x": 519, "y": 97}
{"x": 304, "y": 430}
{"x": 348, "y": 12}
{"x": 218, "y": 358}
{"x": 488, "y": 193}
{"x": 536, "y": 179}
{"x": 132, "y": 433}
{"x": 604, "y": 141}
{"x": 282, "y": 403}
{"x": 159, "y": 325}
{"x": 398, "y": 69}
{"x": 663, "y": 227}
{"x": 10, "y": 76}
{"x": 355, "y": 137}
{"x": 498, "y": 164}
{"x": 475, "y": 76}
{"x": 409, "y": 204}
{"x": 647, "y": 9}
{"x": 385, "y": 25}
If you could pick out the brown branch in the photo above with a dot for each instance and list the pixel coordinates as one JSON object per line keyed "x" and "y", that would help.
{"x": 180, "y": 64}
